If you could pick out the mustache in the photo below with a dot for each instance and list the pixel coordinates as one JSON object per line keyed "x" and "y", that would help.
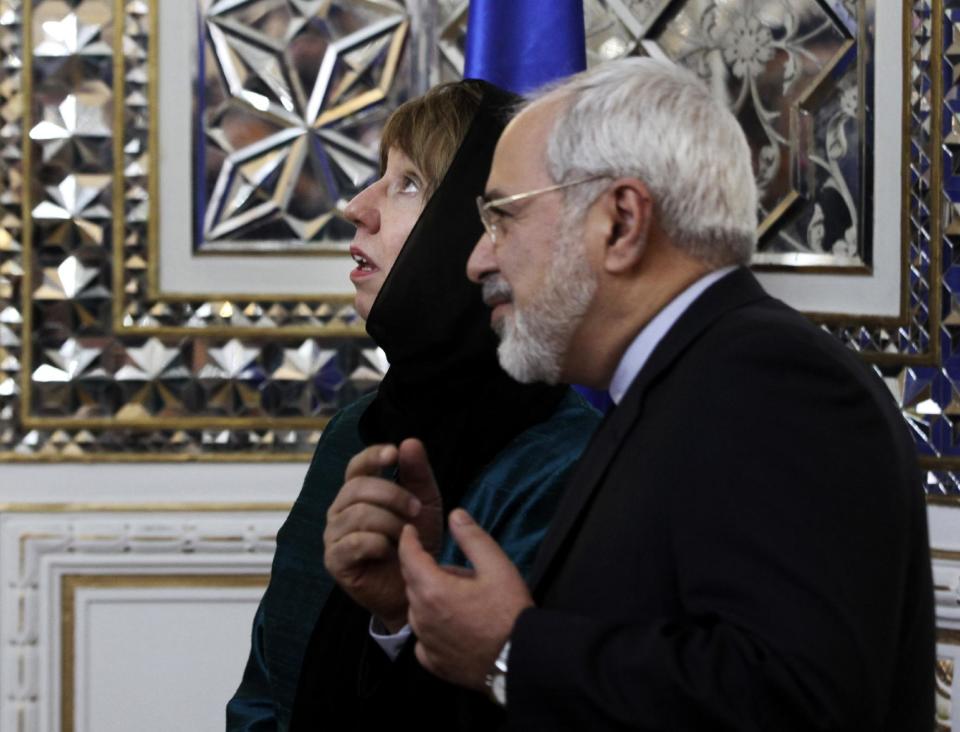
{"x": 495, "y": 290}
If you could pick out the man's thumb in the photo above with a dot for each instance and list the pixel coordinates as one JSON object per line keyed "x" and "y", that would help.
{"x": 477, "y": 545}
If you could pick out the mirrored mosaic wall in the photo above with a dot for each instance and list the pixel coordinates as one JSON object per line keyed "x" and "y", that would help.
{"x": 291, "y": 98}
{"x": 97, "y": 363}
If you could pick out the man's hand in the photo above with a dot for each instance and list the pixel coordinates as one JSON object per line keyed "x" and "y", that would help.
{"x": 364, "y": 524}
{"x": 462, "y": 619}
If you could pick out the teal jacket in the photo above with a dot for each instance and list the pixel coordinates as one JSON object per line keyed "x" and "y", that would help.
{"x": 513, "y": 499}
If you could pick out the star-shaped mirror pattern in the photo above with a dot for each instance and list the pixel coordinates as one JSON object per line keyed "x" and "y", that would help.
{"x": 293, "y": 97}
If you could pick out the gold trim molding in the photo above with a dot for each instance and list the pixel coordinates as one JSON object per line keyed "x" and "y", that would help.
{"x": 152, "y": 507}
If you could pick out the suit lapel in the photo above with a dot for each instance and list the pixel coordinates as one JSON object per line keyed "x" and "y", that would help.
{"x": 736, "y": 289}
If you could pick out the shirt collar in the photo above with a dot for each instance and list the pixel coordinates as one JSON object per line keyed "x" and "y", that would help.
{"x": 653, "y": 332}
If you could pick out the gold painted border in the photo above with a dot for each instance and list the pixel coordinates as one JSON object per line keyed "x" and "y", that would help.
{"x": 938, "y": 465}
{"x": 26, "y": 215}
{"x": 949, "y": 636}
{"x": 177, "y": 423}
{"x": 70, "y": 583}
{"x": 11, "y": 458}
{"x": 119, "y": 197}
{"x": 941, "y": 500}
{"x": 147, "y": 507}
{"x": 218, "y": 332}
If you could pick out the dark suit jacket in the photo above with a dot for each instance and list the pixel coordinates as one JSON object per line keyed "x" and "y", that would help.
{"x": 742, "y": 547}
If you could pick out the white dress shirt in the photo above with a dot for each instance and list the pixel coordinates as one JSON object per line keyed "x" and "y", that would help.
{"x": 391, "y": 643}
{"x": 637, "y": 353}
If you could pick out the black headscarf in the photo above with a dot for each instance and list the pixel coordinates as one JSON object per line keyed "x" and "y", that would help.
{"x": 444, "y": 386}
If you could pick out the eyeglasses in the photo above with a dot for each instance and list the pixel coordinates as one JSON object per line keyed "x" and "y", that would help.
{"x": 491, "y": 218}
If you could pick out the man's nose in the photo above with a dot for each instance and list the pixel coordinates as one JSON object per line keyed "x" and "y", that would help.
{"x": 482, "y": 261}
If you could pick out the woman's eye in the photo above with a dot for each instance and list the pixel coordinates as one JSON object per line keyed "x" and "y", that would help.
{"x": 409, "y": 185}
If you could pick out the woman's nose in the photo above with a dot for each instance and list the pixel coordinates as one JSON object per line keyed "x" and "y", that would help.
{"x": 362, "y": 211}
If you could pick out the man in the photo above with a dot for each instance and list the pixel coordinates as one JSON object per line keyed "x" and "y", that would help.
{"x": 743, "y": 546}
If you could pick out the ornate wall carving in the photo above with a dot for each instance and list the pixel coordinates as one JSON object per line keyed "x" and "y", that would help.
{"x": 47, "y": 558}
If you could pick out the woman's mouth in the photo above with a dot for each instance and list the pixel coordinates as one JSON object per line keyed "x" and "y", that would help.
{"x": 365, "y": 265}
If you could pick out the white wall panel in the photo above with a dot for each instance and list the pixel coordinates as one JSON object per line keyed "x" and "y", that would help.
{"x": 106, "y": 614}
{"x": 158, "y": 658}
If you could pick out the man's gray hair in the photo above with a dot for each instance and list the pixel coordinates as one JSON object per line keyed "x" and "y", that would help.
{"x": 655, "y": 121}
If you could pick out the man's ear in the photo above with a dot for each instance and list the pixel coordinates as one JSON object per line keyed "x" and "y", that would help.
{"x": 627, "y": 208}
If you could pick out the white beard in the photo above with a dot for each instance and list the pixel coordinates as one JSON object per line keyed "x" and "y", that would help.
{"x": 534, "y": 341}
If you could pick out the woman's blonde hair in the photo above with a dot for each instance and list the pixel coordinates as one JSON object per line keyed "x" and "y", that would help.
{"x": 429, "y": 129}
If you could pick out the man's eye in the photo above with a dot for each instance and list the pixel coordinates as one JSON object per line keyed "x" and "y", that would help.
{"x": 499, "y": 218}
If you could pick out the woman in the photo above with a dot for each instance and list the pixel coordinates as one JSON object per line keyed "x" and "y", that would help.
{"x": 498, "y": 448}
